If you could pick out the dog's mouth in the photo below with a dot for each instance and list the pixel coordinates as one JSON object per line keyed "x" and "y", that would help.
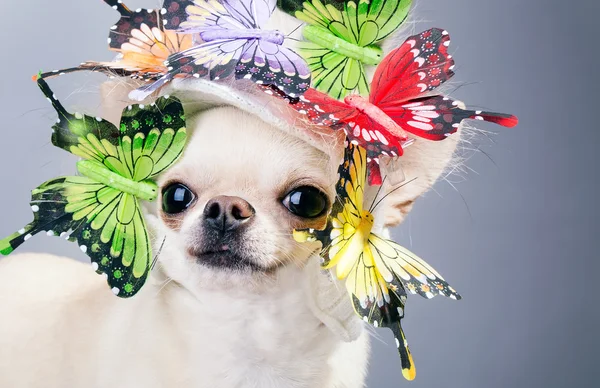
{"x": 224, "y": 257}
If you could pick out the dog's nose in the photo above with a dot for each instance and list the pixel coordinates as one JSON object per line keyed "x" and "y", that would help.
{"x": 224, "y": 213}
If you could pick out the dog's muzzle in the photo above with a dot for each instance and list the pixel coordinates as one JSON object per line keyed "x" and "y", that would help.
{"x": 224, "y": 221}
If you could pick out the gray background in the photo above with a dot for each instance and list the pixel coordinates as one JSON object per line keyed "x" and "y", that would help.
{"x": 518, "y": 237}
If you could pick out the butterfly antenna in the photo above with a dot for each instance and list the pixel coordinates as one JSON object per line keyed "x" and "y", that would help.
{"x": 294, "y": 30}
{"x": 377, "y": 194}
{"x": 393, "y": 190}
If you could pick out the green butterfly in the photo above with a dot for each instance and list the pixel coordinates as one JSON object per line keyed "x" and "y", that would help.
{"x": 342, "y": 39}
{"x": 100, "y": 210}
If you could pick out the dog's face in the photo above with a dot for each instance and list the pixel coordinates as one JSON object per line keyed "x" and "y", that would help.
{"x": 229, "y": 206}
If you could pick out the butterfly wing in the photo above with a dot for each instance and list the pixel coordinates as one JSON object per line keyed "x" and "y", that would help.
{"x": 206, "y": 16}
{"x": 378, "y": 281}
{"x": 107, "y": 224}
{"x": 73, "y": 128}
{"x": 174, "y": 13}
{"x": 333, "y": 73}
{"x": 376, "y": 140}
{"x": 373, "y": 21}
{"x": 214, "y": 16}
{"x": 420, "y": 64}
{"x": 154, "y": 139}
{"x": 327, "y": 15}
{"x": 216, "y": 59}
{"x": 390, "y": 315}
{"x": 396, "y": 262}
{"x": 363, "y": 22}
{"x": 271, "y": 64}
{"x": 261, "y": 10}
{"x": 388, "y": 260}
{"x": 437, "y": 117}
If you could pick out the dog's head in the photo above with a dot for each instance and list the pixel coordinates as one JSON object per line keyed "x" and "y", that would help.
{"x": 228, "y": 207}
{"x": 230, "y": 204}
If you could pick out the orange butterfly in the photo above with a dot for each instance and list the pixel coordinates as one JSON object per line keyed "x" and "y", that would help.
{"x": 143, "y": 44}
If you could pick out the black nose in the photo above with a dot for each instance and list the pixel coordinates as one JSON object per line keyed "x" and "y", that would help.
{"x": 225, "y": 213}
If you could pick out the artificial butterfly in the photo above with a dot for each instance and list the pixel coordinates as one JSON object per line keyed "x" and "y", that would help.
{"x": 142, "y": 41}
{"x": 344, "y": 37}
{"x": 398, "y": 102}
{"x": 377, "y": 271}
{"x": 174, "y": 13}
{"x": 234, "y": 42}
{"x": 100, "y": 210}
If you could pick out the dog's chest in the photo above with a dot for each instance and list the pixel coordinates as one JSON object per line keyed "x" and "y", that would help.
{"x": 273, "y": 341}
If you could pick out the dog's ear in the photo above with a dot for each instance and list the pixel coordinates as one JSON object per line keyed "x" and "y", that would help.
{"x": 424, "y": 161}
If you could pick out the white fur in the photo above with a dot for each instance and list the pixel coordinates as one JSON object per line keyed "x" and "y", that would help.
{"x": 65, "y": 329}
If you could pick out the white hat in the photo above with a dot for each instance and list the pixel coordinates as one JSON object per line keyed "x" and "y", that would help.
{"x": 200, "y": 94}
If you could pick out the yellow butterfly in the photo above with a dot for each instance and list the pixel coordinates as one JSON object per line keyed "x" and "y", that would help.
{"x": 377, "y": 271}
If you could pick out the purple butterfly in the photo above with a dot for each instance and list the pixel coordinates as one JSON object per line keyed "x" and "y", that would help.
{"x": 233, "y": 41}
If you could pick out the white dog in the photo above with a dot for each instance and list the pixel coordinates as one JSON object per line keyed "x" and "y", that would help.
{"x": 234, "y": 301}
{"x": 215, "y": 313}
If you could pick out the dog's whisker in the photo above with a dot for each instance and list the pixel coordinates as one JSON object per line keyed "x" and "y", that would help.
{"x": 165, "y": 284}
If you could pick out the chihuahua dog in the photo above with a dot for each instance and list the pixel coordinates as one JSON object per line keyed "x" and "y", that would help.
{"x": 227, "y": 305}
{"x": 233, "y": 301}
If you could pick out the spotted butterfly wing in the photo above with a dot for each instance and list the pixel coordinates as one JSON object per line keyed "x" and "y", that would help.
{"x": 377, "y": 271}
{"x": 404, "y": 78}
{"x": 143, "y": 44}
{"x": 100, "y": 210}
{"x": 174, "y": 13}
{"x": 390, "y": 315}
{"x": 269, "y": 63}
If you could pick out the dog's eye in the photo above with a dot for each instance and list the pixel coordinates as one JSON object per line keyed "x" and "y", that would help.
{"x": 176, "y": 198}
{"x": 306, "y": 202}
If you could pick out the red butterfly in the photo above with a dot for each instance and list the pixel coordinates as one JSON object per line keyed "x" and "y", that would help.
{"x": 398, "y": 102}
